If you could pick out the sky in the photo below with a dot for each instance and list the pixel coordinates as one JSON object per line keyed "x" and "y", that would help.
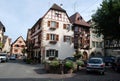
{"x": 19, "y": 15}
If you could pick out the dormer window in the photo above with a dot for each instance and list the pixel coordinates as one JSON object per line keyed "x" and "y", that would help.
{"x": 79, "y": 18}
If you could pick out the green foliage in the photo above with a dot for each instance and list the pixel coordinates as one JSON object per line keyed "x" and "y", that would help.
{"x": 106, "y": 19}
{"x": 24, "y": 51}
{"x": 54, "y": 63}
{"x": 1, "y": 44}
{"x": 28, "y": 61}
{"x": 80, "y": 62}
{"x": 69, "y": 64}
{"x": 77, "y": 55}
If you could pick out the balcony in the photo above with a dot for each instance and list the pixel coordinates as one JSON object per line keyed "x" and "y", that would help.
{"x": 52, "y": 41}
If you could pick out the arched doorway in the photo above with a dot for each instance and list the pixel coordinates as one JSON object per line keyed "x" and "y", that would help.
{"x": 85, "y": 55}
{"x": 92, "y": 54}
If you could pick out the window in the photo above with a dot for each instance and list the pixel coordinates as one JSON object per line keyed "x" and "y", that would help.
{"x": 76, "y": 28}
{"x": 20, "y": 41}
{"x": 15, "y": 50}
{"x": 52, "y": 37}
{"x": 93, "y": 43}
{"x": 51, "y": 53}
{"x": 66, "y": 26}
{"x": 67, "y": 39}
{"x": 22, "y": 46}
{"x": 16, "y": 45}
{"x": 53, "y": 24}
{"x": 57, "y": 15}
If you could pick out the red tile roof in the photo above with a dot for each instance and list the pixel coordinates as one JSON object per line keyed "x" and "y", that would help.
{"x": 77, "y": 19}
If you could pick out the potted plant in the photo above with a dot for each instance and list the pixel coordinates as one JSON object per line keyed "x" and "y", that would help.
{"x": 54, "y": 66}
{"x": 80, "y": 63}
{"x": 68, "y": 66}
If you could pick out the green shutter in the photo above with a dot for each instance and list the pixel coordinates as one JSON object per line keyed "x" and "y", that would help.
{"x": 47, "y": 53}
{"x": 56, "y": 54}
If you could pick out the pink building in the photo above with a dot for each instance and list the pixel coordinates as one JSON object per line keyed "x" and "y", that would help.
{"x": 17, "y": 46}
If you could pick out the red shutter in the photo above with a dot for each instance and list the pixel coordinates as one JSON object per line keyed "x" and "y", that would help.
{"x": 57, "y": 24}
{"x": 57, "y": 37}
{"x": 48, "y": 23}
{"x": 47, "y": 37}
{"x": 64, "y": 26}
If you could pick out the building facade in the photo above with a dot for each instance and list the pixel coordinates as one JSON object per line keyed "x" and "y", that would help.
{"x": 6, "y": 44}
{"x": 2, "y": 30}
{"x": 112, "y": 47}
{"x": 96, "y": 42}
{"x": 17, "y": 47}
{"x": 81, "y": 34}
{"x": 52, "y": 35}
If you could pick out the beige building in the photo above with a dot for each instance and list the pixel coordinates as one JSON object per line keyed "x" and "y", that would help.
{"x": 6, "y": 44}
{"x": 17, "y": 46}
{"x": 96, "y": 42}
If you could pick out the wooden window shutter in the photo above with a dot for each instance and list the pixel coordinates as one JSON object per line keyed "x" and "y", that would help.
{"x": 47, "y": 37}
{"x": 64, "y": 38}
{"x": 47, "y": 53}
{"x": 48, "y": 23}
{"x": 64, "y": 26}
{"x": 57, "y": 24}
{"x": 57, "y": 37}
{"x": 72, "y": 39}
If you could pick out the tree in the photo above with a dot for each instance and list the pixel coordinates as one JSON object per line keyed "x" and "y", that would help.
{"x": 106, "y": 19}
{"x": 24, "y": 51}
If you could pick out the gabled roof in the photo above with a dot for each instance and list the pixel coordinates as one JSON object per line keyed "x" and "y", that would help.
{"x": 77, "y": 19}
{"x": 56, "y": 7}
{"x": 2, "y": 26}
{"x": 17, "y": 40}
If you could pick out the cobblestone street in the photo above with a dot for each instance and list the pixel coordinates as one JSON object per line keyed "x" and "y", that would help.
{"x": 19, "y": 71}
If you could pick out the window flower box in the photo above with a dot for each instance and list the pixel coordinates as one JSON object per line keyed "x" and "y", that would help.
{"x": 52, "y": 42}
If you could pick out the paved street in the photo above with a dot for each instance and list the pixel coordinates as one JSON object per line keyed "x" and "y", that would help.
{"x": 19, "y": 71}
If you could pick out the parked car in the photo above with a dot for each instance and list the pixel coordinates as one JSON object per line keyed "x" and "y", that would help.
{"x": 109, "y": 60}
{"x": 3, "y": 57}
{"x": 95, "y": 64}
{"x": 116, "y": 64}
{"x": 70, "y": 58}
{"x": 12, "y": 57}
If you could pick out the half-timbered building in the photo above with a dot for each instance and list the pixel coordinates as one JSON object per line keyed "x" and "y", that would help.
{"x": 51, "y": 36}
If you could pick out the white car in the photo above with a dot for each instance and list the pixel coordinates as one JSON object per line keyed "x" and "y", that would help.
{"x": 96, "y": 64}
{"x": 3, "y": 57}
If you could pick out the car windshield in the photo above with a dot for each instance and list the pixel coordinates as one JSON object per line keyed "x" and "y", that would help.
{"x": 95, "y": 61}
